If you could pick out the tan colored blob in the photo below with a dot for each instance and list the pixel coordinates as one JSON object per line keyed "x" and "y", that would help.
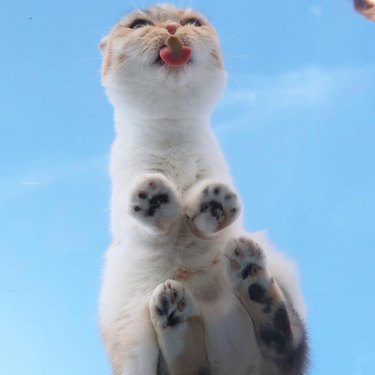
{"x": 366, "y": 8}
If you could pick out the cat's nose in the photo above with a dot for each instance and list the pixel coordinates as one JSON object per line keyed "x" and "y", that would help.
{"x": 171, "y": 28}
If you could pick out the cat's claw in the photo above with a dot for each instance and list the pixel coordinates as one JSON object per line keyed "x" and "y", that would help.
{"x": 214, "y": 208}
{"x": 155, "y": 203}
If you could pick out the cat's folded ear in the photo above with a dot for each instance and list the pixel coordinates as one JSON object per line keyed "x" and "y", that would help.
{"x": 102, "y": 45}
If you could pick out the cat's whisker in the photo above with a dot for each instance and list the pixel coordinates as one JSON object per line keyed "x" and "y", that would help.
{"x": 133, "y": 5}
{"x": 241, "y": 30}
{"x": 89, "y": 68}
{"x": 239, "y": 55}
{"x": 183, "y": 4}
{"x": 98, "y": 58}
{"x": 83, "y": 82}
{"x": 101, "y": 97}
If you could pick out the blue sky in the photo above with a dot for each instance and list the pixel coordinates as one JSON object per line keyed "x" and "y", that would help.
{"x": 296, "y": 125}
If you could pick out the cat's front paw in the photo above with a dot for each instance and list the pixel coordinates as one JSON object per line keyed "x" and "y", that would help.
{"x": 170, "y": 305}
{"x": 212, "y": 208}
{"x": 155, "y": 203}
{"x": 245, "y": 261}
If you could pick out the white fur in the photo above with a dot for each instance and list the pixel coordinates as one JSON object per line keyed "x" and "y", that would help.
{"x": 163, "y": 126}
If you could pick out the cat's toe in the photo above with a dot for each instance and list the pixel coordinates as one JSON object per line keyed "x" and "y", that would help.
{"x": 155, "y": 202}
{"x": 171, "y": 304}
{"x": 245, "y": 259}
{"x": 216, "y": 207}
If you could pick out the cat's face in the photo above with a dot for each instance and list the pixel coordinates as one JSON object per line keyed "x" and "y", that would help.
{"x": 138, "y": 76}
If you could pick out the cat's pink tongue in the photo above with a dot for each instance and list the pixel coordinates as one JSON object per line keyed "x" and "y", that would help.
{"x": 175, "y": 56}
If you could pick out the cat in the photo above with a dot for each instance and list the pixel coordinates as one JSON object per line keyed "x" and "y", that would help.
{"x": 185, "y": 290}
{"x": 366, "y": 8}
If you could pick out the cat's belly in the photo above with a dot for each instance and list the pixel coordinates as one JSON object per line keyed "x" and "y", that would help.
{"x": 230, "y": 338}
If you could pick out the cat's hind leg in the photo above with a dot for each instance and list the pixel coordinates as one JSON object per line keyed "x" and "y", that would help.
{"x": 280, "y": 332}
{"x": 179, "y": 329}
{"x": 210, "y": 207}
{"x": 155, "y": 203}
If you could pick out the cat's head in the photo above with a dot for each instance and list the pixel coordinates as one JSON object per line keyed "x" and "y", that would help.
{"x": 140, "y": 75}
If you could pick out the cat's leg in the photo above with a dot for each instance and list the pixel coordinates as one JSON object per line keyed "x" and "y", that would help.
{"x": 131, "y": 343}
{"x": 156, "y": 204}
{"x": 281, "y": 334}
{"x": 179, "y": 329}
{"x": 210, "y": 207}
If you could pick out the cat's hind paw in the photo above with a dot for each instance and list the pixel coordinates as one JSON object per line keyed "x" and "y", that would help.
{"x": 170, "y": 305}
{"x": 280, "y": 331}
{"x": 155, "y": 203}
{"x": 179, "y": 329}
{"x": 212, "y": 208}
{"x": 245, "y": 260}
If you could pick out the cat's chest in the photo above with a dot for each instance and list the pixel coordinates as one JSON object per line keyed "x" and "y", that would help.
{"x": 183, "y": 164}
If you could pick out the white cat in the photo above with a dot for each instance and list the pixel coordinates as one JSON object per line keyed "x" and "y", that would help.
{"x": 184, "y": 291}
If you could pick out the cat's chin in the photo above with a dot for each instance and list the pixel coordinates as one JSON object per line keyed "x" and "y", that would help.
{"x": 169, "y": 69}
{"x": 159, "y": 62}
{"x": 167, "y": 92}
{"x": 164, "y": 87}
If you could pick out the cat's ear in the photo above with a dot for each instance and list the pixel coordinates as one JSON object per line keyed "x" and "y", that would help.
{"x": 103, "y": 44}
